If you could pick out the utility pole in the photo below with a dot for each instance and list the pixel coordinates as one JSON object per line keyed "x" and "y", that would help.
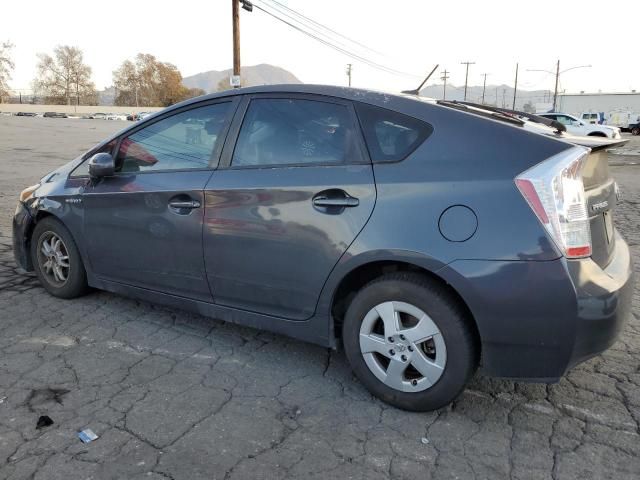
{"x": 515, "y": 89}
{"x": 444, "y": 78}
{"x": 555, "y": 93}
{"x": 504, "y": 95}
{"x": 349, "y": 72}
{"x": 235, "y": 13}
{"x": 466, "y": 77}
{"x": 484, "y": 85}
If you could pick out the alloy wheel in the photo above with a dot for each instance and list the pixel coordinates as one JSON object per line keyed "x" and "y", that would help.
{"x": 402, "y": 346}
{"x": 53, "y": 258}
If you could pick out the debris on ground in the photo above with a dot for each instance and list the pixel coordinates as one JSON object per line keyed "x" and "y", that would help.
{"x": 424, "y": 440}
{"x": 87, "y": 436}
{"x": 44, "y": 421}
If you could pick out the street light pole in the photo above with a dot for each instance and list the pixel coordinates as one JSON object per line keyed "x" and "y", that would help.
{"x": 557, "y": 74}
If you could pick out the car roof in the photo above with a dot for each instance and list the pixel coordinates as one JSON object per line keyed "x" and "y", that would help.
{"x": 347, "y": 93}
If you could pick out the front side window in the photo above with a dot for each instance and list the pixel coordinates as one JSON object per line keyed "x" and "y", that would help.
{"x": 390, "y": 136}
{"x": 186, "y": 140}
{"x": 283, "y": 131}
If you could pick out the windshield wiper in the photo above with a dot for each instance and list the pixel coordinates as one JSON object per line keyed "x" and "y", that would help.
{"x": 529, "y": 116}
{"x": 482, "y": 111}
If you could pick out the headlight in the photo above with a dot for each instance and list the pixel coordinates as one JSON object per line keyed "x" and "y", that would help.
{"x": 27, "y": 192}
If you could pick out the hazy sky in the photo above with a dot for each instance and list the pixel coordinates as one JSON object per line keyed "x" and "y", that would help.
{"x": 411, "y": 36}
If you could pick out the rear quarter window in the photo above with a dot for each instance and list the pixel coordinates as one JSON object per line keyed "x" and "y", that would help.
{"x": 390, "y": 136}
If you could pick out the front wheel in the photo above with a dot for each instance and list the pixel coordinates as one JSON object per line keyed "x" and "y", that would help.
{"x": 57, "y": 260}
{"x": 410, "y": 342}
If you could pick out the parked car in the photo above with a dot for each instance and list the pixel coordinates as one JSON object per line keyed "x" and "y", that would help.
{"x": 25, "y": 114}
{"x": 634, "y": 128}
{"x": 425, "y": 239}
{"x": 54, "y": 115}
{"x": 578, "y": 127}
{"x": 98, "y": 116}
{"x": 116, "y": 116}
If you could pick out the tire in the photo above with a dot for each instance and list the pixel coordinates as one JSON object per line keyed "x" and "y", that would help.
{"x": 635, "y": 131}
{"x": 453, "y": 348}
{"x": 61, "y": 281}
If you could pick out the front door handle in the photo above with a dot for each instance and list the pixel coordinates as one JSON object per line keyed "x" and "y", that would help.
{"x": 188, "y": 204}
{"x": 323, "y": 201}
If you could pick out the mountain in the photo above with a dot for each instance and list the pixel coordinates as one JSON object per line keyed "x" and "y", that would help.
{"x": 262, "y": 74}
{"x": 499, "y": 95}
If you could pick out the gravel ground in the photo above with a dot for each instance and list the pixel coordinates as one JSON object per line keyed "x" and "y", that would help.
{"x": 175, "y": 395}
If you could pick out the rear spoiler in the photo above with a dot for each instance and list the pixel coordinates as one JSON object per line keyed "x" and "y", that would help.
{"x": 595, "y": 143}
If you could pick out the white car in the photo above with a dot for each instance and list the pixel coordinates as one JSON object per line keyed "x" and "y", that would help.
{"x": 576, "y": 126}
{"x": 116, "y": 116}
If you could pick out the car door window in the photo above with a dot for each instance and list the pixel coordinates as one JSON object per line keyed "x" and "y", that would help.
{"x": 390, "y": 136}
{"x": 182, "y": 141}
{"x": 288, "y": 131}
{"x": 565, "y": 120}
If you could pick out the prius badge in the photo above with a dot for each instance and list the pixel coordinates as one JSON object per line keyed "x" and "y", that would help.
{"x": 596, "y": 207}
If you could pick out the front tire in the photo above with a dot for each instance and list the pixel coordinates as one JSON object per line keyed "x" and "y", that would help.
{"x": 56, "y": 260}
{"x": 409, "y": 341}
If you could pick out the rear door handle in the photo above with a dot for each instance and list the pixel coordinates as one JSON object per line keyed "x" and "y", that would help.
{"x": 184, "y": 204}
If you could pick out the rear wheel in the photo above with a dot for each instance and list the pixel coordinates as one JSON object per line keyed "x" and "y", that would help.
{"x": 57, "y": 260}
{"x": 409, "y": 342}
{"x": 635, "y": 131}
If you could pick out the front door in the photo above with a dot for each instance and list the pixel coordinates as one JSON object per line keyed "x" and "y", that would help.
{"x": 144, "y": 225}
{"x": 296, "y": 190}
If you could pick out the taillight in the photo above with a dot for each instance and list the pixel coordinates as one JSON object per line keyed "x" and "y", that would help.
{"x": 555, "y": 192}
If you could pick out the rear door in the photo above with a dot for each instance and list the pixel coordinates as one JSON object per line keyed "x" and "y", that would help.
{"x": 295, "y": 190}
{"x": 143, "y": 226}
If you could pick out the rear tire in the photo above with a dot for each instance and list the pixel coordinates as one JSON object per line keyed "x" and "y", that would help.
{"x": 56, "y": 260}
{"x": 635, "y": 131}
{"x": 408, "y": 368}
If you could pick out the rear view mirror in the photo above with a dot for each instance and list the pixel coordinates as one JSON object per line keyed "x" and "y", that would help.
{"x": 101, "y": 165}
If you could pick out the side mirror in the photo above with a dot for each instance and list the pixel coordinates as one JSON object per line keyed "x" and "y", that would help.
{"x": 101, "y": 165}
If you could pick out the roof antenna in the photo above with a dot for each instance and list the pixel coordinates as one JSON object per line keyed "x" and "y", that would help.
{"x": 417, "y": 90}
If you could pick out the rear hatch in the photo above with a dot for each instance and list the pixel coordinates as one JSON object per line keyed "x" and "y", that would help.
{"x": 601, "y": 197}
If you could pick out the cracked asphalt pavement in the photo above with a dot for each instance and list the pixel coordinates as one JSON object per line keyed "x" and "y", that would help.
{"x": 178, "y": 396}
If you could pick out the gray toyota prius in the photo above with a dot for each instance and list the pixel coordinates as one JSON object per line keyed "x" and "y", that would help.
{"x": 426, "y": 238}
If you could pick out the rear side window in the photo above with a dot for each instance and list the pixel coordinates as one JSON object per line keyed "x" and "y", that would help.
{"x": 390, "y": 136}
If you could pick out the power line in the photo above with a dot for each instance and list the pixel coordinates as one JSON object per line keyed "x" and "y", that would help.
{"x": 312, "y": 21}
{"x": 342, "y": 50}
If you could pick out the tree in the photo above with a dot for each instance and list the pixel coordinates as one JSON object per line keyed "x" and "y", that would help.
{"x": 65, "y": 76}
{"x": 6, "y": 66}
{"x": 148, "y": 82}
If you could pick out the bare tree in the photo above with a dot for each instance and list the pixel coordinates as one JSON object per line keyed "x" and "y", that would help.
{"x": 65, "y": 76}
{"x": 6, "y": 66}
{"x": 149, "y": 82}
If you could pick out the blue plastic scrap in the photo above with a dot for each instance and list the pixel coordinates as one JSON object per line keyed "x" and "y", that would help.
{"x": 87, "y": 436}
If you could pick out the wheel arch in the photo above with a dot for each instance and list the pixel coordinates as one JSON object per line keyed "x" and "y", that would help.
{"x": 363, "y": 272}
